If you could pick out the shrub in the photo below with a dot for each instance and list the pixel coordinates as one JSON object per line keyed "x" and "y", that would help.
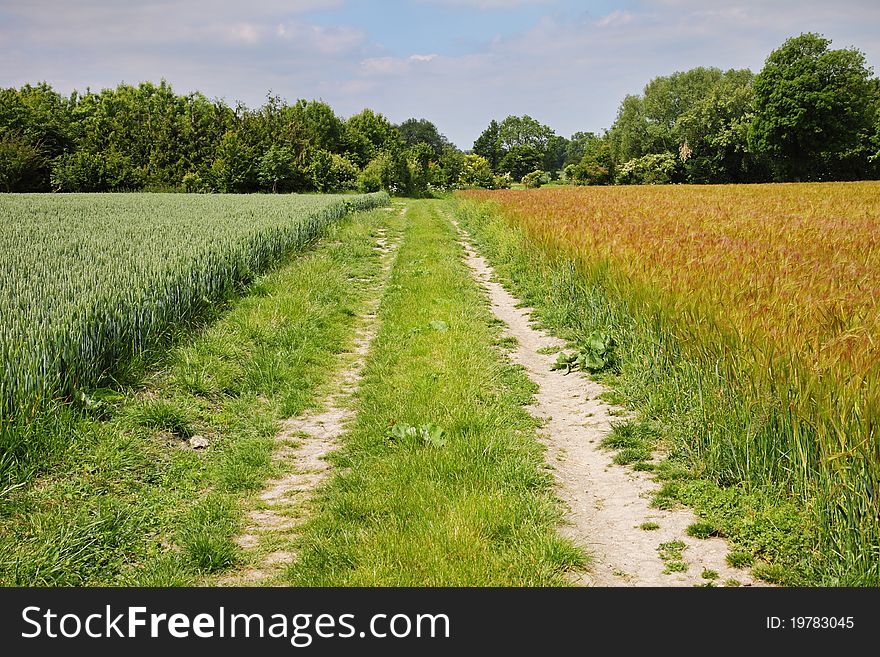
{"x": 534, "y": 179}
{"x": 651, "y": 169}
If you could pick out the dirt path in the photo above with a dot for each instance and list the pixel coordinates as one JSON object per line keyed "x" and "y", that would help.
{"x": 302, "y": 446}
{"x": 607, "y": 503}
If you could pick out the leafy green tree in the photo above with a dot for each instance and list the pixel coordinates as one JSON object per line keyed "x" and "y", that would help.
{"x": 277, "y": 168}
{"x": 369, "y": 133}
{"x": 422, "y": 131}
{"x": 418, "y": 161}
{"x": 596, "y": 166}
{"x": 520, "y": 160}
{"x": 523, "y": 130}
{"x": 554, "y": 156}
{"x": 21, "y": 162}
{"x": 576, "y": 147}
{"x": 713, "y": 133}
{"x": 85, "y": 171}
{"x": 233, "y": 168}
{"x": 813, "y": 108}
{"x": 488, "y": 145}
{"x": 651, "y": 123}
{"x": 34, "y": 129}
{"x": 629, "y": 133}
{"x": 316, "y": 126}
{"x": 450, "y": 165}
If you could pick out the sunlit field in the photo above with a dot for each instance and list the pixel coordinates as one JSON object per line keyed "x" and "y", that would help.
{"x": 772, "y": 288}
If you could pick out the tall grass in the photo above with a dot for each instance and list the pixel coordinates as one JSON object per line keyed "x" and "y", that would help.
{"x": 761, "y": 303}
{"x": 89, "y": 281}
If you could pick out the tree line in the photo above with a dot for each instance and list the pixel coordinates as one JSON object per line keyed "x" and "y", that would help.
{"x": 147, "y": 137}
{"x": 812, "y": 113}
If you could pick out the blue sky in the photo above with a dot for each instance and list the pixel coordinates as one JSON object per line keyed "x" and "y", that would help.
{"x": 459, "y": 63}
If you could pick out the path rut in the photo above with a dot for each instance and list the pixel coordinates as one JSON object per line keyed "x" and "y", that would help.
{"x": 606, "y": 502}
{"x": 303, "y": 444}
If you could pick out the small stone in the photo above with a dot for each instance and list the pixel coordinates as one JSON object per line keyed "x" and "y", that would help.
{"x": 198, "y": 442}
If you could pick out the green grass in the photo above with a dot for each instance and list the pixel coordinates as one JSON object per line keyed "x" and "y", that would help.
{"x": 471, "y": 507}
{"x": 121, "y": 497}
{"x": 674, "y": 398}
{"x": 702, "y": 530}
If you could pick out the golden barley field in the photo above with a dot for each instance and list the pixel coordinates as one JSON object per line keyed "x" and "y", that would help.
{"x": 775, "y": 286}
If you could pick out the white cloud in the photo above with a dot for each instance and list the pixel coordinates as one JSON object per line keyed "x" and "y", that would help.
{"x": 327, "y": 41}
{"x": 383, "y": 66}
{"x": 616, "y": 17}
{"x": 487, "y": 4}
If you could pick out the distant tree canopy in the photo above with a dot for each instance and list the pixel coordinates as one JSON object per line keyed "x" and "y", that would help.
{"x": 148, "y": 137}
{"x": 811, "y": 113}
{"x": 815, "y": 111}
{"x": 422, "y": 131}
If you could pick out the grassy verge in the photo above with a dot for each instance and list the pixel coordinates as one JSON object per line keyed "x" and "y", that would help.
{"x": 677, "y": 400}
{"x": 128, "y": 499}
{"x": 441, "y": 480}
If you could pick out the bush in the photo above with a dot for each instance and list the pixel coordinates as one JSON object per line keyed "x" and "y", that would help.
{"x": 587, "y": 172}
{"x": 476, "y": 172}
{"x": 651, "y": 169}
{"x": 534, "y": 179}
{"x": 84, "y": 171}
{"x": 378, "y": 175}
{"x": 501, "y": 182}
{"x": 20, "y": 163}
{"x": 330, "y": 172}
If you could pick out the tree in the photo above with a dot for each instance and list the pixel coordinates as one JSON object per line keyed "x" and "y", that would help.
{"x": 488, "y": 145}
{"x": 576, "y": 147}
{"x": 651, "y": 123}
{"x": 422, "y": 131}
{"x": 233, "y": 168}
{"x": 418, "y": 161}
{"x": 524, "y": 131}
{"x": 520, "y": 160}
{"x": 34, "y": 130}
{"x": 813, "y": 107}
{"x": 368, "y": 133}
{"x": 596, "y": 166}
{"x": 450, "y": 166}
{"x": 331, "y": 172}
{"x": 713, "y": 133}
{"x": 629, "y": 133}
{"x": 554, "y": 156}
{"x": 277, "y": 167}
{"x": 20, "y": 163}
{"x": 317, "y": 126}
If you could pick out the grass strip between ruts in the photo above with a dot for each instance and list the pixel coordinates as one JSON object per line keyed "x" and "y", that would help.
{"x": 441, "y": 480}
